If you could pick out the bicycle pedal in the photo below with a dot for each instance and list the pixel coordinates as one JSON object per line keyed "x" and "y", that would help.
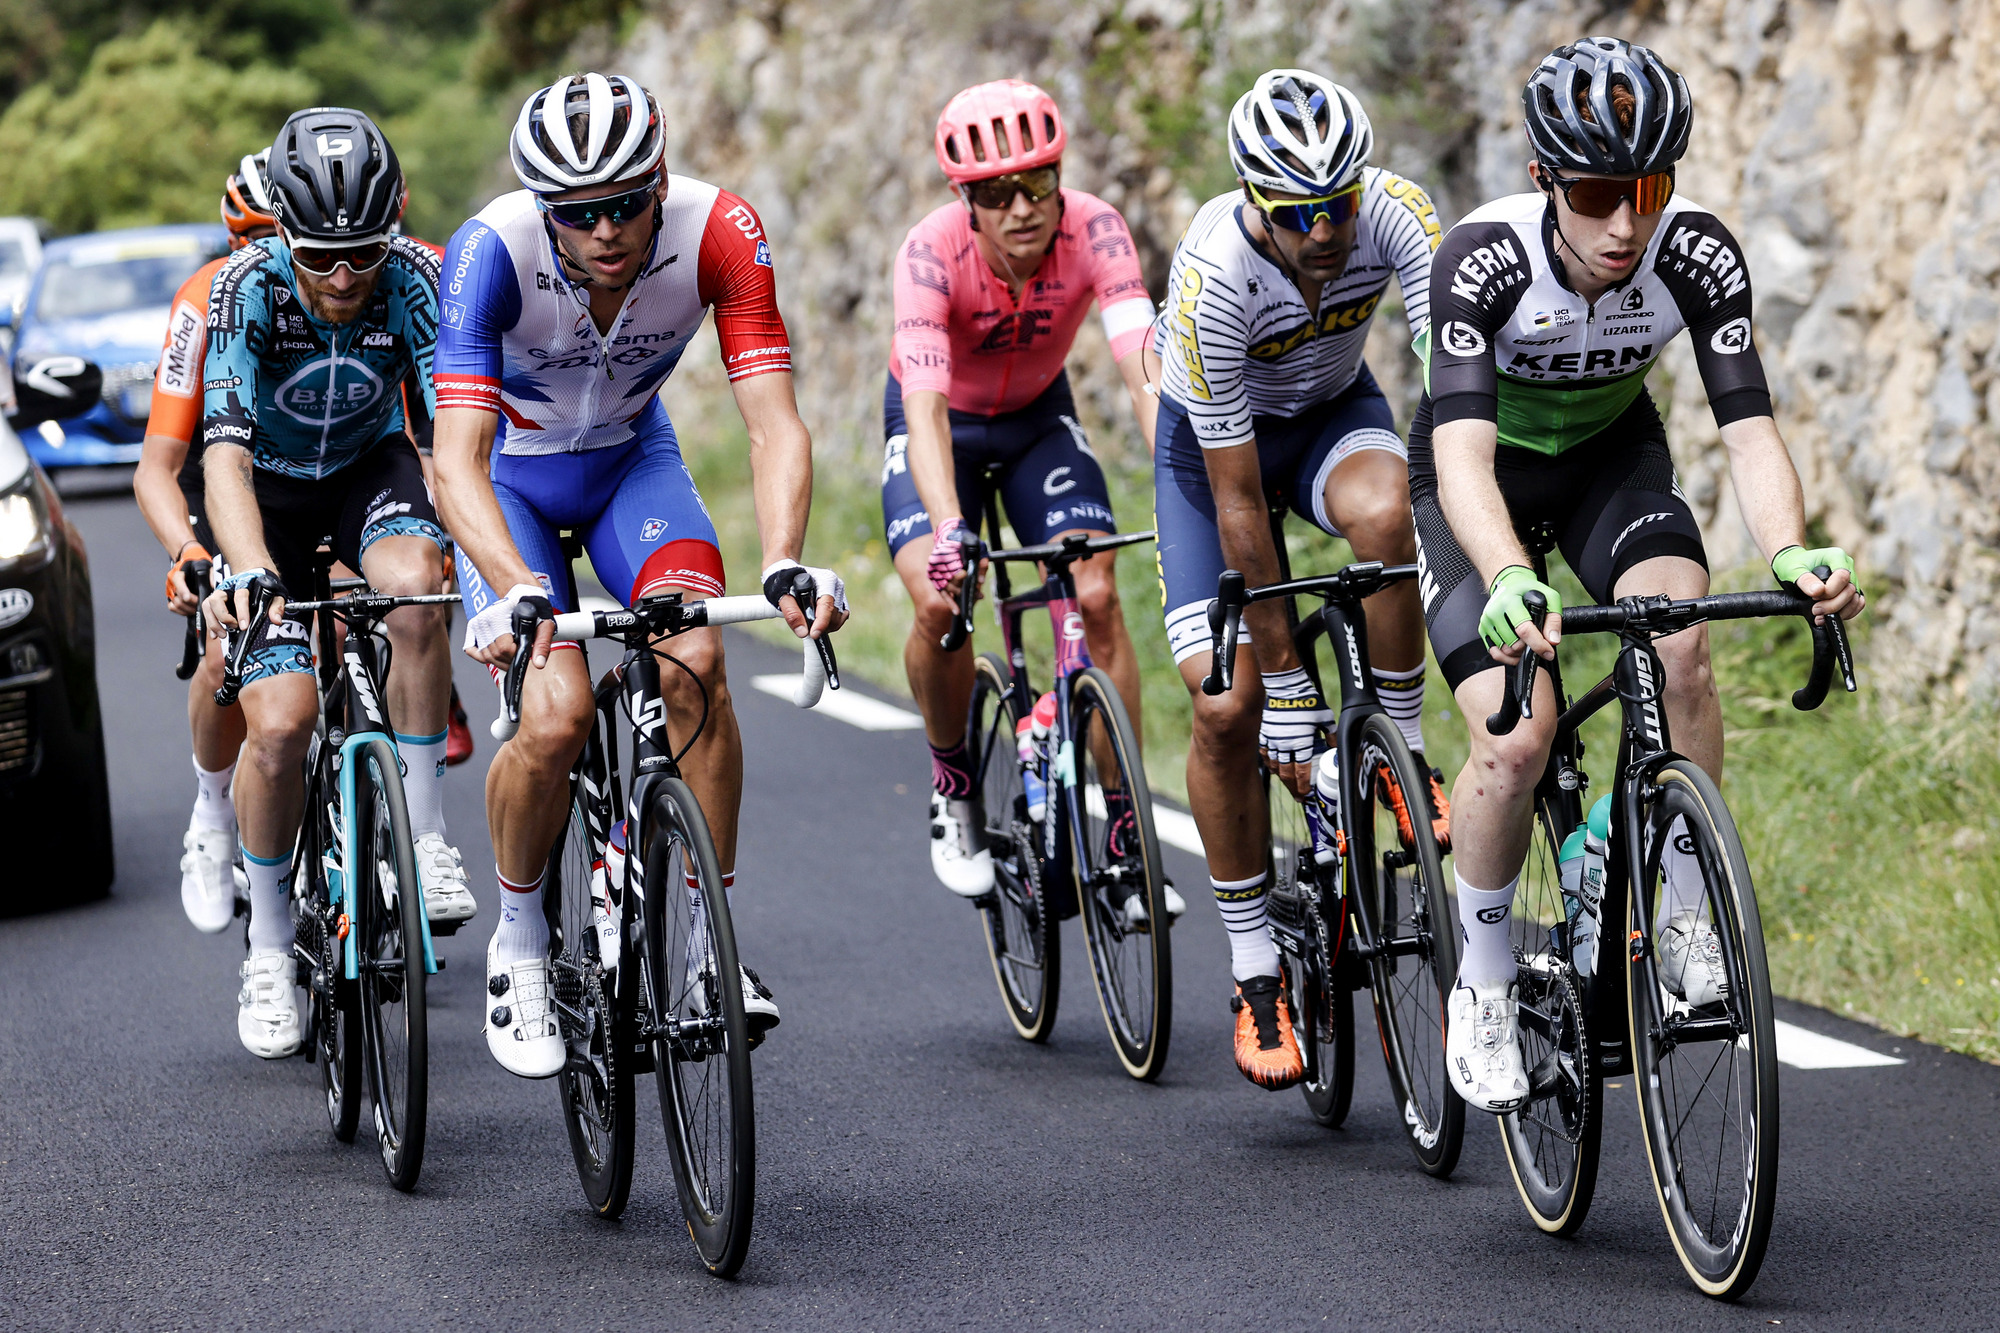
{"x": 441, "y": 930}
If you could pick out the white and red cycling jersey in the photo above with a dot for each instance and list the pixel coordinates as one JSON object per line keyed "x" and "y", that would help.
{"x": 960, "y": 330}
{"x": 515, "y": 334}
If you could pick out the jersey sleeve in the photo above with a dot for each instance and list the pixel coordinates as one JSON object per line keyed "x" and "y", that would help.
{"x": 1406, "y": 226}
{"x": 177, "y": 399}
{"x": 239, "y": 332}
{"x": 922, "y": 292}
{"x": 1477, "y": 277}
{"x": 1702, "y": 266}
{"x": 734, "y": 275}
{"x": 418, "y": 267}
{"x": 1122, "y": 302}
{"x": 1203, "y": 335}
{"x": 479, "y": 299}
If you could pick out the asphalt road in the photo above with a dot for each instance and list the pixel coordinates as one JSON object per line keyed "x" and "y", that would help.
{"x": 919, "y": 1166}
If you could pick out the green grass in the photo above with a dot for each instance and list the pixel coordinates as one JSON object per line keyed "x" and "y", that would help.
{"x": 1873, "y": 833}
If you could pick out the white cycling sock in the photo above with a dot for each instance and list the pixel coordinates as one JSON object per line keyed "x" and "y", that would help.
{"x": 1252, "y": 953}
{"x": 270, "y": 910}
{"x": 1402, "y": 694}
{"x": 1681, "y": 891}
{"x": 523, "y": 932}
{"x": 212, "y": 807}
{"x": 423, "y": 782}
{"x": 1486, "y": 955}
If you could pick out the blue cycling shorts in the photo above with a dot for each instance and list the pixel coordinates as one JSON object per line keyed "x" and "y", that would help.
{"x": 1297, "y": 455}
{"x": 1041, "y": 462}
{"x": 642, "y": 521}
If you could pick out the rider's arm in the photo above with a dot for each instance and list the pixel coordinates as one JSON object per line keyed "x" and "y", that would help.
{"x": 231, "y": 490}
{"x": 175, "y": 417}
{"x": 927, "y": 417}
{"x": 1142, "y": 391}
{"x": 1409, "y": 233}
{"x": 921, "y": 355}
{"x": 238, "y": 332}
{"x": 156, "y": 486}
{"x": 1243, "y": 520}
{"x": 1123, "y": 306}
{"x": 461, "y": 459}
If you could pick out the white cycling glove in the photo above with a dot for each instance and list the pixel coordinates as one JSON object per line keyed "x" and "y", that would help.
{"x": 1294, "y": 712}
{"x": 826, "y": 583}
{"x": 498, "y": 619}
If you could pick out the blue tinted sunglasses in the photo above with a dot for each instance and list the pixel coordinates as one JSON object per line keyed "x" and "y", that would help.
{"x": 582, "y": 214}
{"x": 1302, "y": 214}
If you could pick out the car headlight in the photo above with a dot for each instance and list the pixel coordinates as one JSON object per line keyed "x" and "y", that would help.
{"x": 24, "y": 529}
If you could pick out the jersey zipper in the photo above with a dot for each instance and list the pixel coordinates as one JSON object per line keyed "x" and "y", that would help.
{"x": 326, "y": 417}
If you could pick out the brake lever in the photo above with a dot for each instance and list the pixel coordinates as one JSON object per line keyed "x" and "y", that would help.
{"x": 197, "y": 574}
{"x": 1225, "y": 627}
{"x": 1830, "y": 649}
{"x": 526, "y": 619}
{"x": 972, "y": 551}
{"x": 1519, "y": 702}
{"x": 806, "y": 593}
{"x": 238, "y": 645}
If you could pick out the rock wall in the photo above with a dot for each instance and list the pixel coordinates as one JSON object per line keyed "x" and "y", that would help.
{"x": 1853, "y": 146}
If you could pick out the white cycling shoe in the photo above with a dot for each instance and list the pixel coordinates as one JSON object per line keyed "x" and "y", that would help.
{"x": 1690, "y": 958}
{"x": 520, "y": 1021}
{"x": 208, "y": 879}
{"x": 267, "y": 1008}
{"x": 1482, "y": 1047}
{"x": 760, "y": 1007}
{"x": 957, "y": 859}
{"x": 1136, "y": 916}
{"x": 447, "y": 896}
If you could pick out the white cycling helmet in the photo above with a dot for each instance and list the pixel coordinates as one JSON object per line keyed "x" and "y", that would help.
{"x": 585, "y": 130}
{"x": 1299, "y": 132}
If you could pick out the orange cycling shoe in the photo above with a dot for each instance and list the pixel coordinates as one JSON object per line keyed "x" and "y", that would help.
{"x": 1440, "y": 806}
{"x": 1266, "y": 1050}
{"x": 458, "y": 734}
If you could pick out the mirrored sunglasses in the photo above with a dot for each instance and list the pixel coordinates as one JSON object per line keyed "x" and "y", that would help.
{"x": 1599, "y": 196}
{"x": 583, "y": 214}
{"x": 1304, "y": 214}
{"x": 322, "y": 261}
{"x": 1038, "y": 183}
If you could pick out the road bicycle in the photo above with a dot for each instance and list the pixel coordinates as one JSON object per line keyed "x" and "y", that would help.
{"x": 1087, "y": 847}
{"x": 643, "y": 965}
{"x": 1706, "y": 1078}
{"x": 361, "y": 936}
{"x": 1357, "y": 887}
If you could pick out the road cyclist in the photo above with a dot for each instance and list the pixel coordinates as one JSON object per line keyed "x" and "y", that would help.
{"x": 566, "y": 304}
{"x": 990, "y": 291}
{"x": 168, "y": 486}
{"x": 310, "y": 333}
{"x": 1265, "y": 400}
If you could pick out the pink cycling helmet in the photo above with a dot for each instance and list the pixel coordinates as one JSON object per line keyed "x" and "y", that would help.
{"x": 993, "y": 128}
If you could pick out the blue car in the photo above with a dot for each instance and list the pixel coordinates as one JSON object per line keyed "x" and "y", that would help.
{"x": 105, "y": 296}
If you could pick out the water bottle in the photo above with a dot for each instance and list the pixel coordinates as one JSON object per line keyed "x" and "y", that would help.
{"x": 1041, "y": 722}
{"x": 1030, "y": 754}
{"x": 608, "y": 879}
{"x": 1596, "y": 852}
{"x": 1323, "y": 808}
{"x": 1569, "y": 870}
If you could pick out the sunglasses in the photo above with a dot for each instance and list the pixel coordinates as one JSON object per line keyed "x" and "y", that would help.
{"x": 322, "y": 261}
{"x": 583, "y": 214}
{"x": 1038, "y": 183}
{"x": 1599, "y": 196}
{"x": 1304, "y": 214}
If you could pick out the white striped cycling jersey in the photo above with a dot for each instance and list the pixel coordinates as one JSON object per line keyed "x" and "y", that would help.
{"x": 1234, "y": 334}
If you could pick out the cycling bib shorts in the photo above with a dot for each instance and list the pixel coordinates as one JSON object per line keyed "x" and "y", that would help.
{"x": 1614, "y": 501}
{"x": 1296, "y": 454}
{"x": 642, "y": 522}
{"x": 1047, "y": 477}
{"x": 380, "y": 494}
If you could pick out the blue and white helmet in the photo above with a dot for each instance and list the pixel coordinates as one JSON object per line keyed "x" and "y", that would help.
{"x": 587, "y": 129}
{"x": 1299, "y": 132}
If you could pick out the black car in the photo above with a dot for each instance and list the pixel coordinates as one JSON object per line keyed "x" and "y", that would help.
{"x": 55, "y": 801}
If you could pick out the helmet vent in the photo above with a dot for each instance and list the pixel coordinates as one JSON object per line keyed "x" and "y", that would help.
{"x": 1000, "y": 138}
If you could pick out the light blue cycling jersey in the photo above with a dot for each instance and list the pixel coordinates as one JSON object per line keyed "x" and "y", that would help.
{"x": 306, "y": 397}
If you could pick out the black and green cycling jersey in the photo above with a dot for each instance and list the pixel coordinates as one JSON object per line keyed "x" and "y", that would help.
{"x": 1512, "y": 343}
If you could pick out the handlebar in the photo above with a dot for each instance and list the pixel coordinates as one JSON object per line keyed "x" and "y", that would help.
{"x": 1519, "y": 702}
{"x": 635, "y": 627}
{"x": 238, "y": 644}
{"x": 197, "y": 574}
{"x": 1350, "y": 585}
{"x": 971, "y": 550}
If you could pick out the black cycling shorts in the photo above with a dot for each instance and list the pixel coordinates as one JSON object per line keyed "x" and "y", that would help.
{"x": 380, "y": 494}
{"x": 1613, "y": 499}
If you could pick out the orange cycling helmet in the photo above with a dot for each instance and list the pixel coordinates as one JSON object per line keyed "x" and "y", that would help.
{"x": 991, "y": 129}
{"x": 246, "y": 201}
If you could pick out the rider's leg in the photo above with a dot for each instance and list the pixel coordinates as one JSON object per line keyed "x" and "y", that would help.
{"x": 1492, "y": 817}
{"x": 278, "y": 712}
{"x": 1227, "y": 799}
{"x": 1367, "y": 495}
{"x": 714, "y": 765}
{"x": 217, "y": 734}
{"x": 419, "y": 682}
{"x": 1104, "y": 624}
{"x": 527, "y": 785}
{"x": 940, "y": 682}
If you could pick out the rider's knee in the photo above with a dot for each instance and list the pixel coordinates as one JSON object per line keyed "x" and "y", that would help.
{"x": 1378, "y": 519}
{"x": 1225, "y": 722}
{"x": 277, "y": 737}
{"x": 1685, "y": 657}
{"x": 1518, "y": 757}
{"x": 1097, "y": 597}
{"x": 405, "y": 569}
{"x": 933, "y": 618}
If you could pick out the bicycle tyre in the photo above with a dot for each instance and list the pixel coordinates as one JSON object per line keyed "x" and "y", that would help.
{"x": 1739, "y": 1183}
{"x": 700, "y": 1039}
{"x": 389, "y": 938}
{"x": 1414, "y": 970}
{"x": 333, "y": 1030}
{"x": 1022, "y": 936}
{"x": 1553, "y": 1142}
{"x": 595, "y": 1084}
{"x": 1132, "y": 965}
{"x": 1322, "y": 1003}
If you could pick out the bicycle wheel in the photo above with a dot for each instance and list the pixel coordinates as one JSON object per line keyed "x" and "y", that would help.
{"x": 701, "y": 1044}
{"x": 331, "y": 999}
{"x": 389, "y": 937}
{"x": 1021, "y": 934}
{"x": 1552, "y": 1141}
{"x": 1121, "y": 887}
{"x": 1309, "y": 946}
{"x": 1416, "y": 958}
{"x": 596, "y": 1082}
{"x": 1707, "y": 1078}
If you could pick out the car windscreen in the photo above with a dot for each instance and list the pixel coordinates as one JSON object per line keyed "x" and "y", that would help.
{"x": 103, "y": 278}
{"x": 13, "y": 259}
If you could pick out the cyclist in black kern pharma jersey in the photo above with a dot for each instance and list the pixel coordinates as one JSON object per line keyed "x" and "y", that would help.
{"x": 1547, "y": 311}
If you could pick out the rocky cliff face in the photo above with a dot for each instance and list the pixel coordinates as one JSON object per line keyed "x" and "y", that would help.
{"x": 1853, "y": 146}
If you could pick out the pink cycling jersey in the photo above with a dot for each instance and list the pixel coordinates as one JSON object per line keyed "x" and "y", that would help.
{"x": 961, "y": 332}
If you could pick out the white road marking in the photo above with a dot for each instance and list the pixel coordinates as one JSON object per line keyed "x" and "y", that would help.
{"x": 855, "y": 710}
{"x": 1174, "y": 827}
{"x": 1809, "y": 1050}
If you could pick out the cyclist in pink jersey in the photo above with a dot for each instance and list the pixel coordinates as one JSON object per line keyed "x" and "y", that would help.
{"x": 990, "y": 292}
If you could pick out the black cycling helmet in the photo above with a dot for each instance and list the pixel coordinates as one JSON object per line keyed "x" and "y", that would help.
{"x": 334, "y": 178}
{"x": 1570, "y": 120}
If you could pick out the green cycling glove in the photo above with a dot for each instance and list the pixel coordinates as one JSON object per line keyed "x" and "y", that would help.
{"x": 1505, "y": 610}
{"x": 1793, "y": 561}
